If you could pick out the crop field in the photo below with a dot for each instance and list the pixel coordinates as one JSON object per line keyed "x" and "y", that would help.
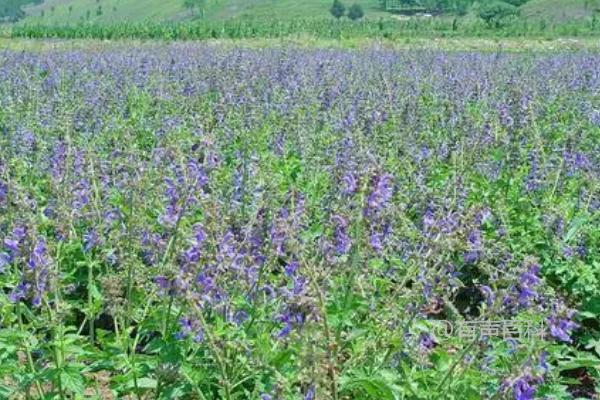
{"x": 198, "y": 221}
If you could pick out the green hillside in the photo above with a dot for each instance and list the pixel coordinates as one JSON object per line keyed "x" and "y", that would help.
{"x": 60, "y": 11}
{"x": 64, "y": 11}
{"x": 560, "y": 9}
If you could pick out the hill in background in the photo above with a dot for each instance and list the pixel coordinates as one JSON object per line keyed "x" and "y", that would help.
{"x": 69, "y": 11}
{"x": 560, "y": 10}
{"x": 60, "y": 11}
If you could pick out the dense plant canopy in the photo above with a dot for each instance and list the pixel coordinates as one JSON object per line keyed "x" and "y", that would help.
{"x": 184, "y": 221}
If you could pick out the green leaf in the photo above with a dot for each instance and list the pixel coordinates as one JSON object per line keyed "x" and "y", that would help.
{"x": 72, "y": 380}
{"x": 142, "y": 383}
{"x": 594, "y": 344}
{"x": 575, "y": 227}
{"x": 376, "y": 387}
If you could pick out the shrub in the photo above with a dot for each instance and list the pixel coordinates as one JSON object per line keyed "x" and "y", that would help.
{"x": 496, "y": 13}
{"x": 337, "y": 9}
{"x": 355, "y": 12}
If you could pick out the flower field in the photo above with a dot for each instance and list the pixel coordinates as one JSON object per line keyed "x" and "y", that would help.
{"x": 183, "y": 221}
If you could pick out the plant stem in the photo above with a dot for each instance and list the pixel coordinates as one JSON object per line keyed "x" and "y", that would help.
{"x": 456, "y": 362}
{"x": 331, "y": 344}
{"x": 91, "y": 300}
{"x": 28, "y": 353}
{"x": 216, "y": 353}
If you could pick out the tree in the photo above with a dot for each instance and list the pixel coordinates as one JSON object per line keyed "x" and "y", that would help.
{"x": 355, "y": 12}
{"x": 497, "y": 12}
{"x": 337, "y": 9}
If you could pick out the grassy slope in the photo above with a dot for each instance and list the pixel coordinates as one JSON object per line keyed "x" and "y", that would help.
{"x": 57, "y": 11}
{"x": 560, "y": 9}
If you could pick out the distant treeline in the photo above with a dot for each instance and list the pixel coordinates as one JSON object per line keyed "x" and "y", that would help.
{"x": 325, "y": 29}
{"x": 11, "y": 10}
{"x": 458, "y": 7}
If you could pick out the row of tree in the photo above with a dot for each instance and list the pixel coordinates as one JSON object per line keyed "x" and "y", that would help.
{"x": 338, "y": 10}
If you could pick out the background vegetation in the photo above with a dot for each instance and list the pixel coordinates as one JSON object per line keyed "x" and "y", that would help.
{"x": 216, "y": 19}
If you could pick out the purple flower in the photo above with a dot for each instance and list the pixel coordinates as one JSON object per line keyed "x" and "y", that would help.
{"x": 38, "y": 258}
{"x": 170, "y": 216}
{"x": 240, "y": 317}
{"x": 342, "y": 241}
{"x": 505, "y": 118}
{"x": 19, "y": 292}
{"x": 163, "y": 283}
{"x": 488, "y": 294}
{"x": 543, "y": 363}
{"x": 291, "y": 268}
{"x": 474, "y": 239}
{"x": 310, "y": 393}
{"x": 595, "y": 117}
{"x": 528, "y": 281}
{"x": 349, "y": 183}
{"x": 199, "y": 234}
{"x": 561, "y": 328}
{"x": 428, "y": 218}
{"x": 11, "y": 244}
{"x": 376, "y": 241}
{"x": 523, "y": 389}
{"x": 285, "y": 331}
{"x": 90, "y": 240}
{"x": 381, "y": 193}
{"x": 4, "y": 261}
{"x": 189, "y": 327}
{"x": 426, "y": 342}
{"x": 568, "y": 251}
{"x": 471, "y": 257}
{"x": 16, "y": 240}
{"x": 205, "y": 283}
{"x": 3, "y": 192}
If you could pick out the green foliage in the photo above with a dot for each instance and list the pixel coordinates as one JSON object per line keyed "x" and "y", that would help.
{"x": 355, "y": 12}
{"x": 337, "y": 9}
{"x": 458, "y": 7}
{"x": 496, "y": 13}
{"x": 316, "y": 28}
{"x": 11, "y": 10}
{"x": 516, "y": 3}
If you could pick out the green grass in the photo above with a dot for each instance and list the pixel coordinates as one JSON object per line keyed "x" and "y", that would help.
{"x": 69, "y": 11}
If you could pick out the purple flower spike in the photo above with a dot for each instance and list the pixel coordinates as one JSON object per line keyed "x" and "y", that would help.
{"x": 382, "y": 192}
{"x": 523, "y": 390}
{"x": 349, "y": 184}
{"x": 342, "y": 241}
{"x": 310, "y": 393}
